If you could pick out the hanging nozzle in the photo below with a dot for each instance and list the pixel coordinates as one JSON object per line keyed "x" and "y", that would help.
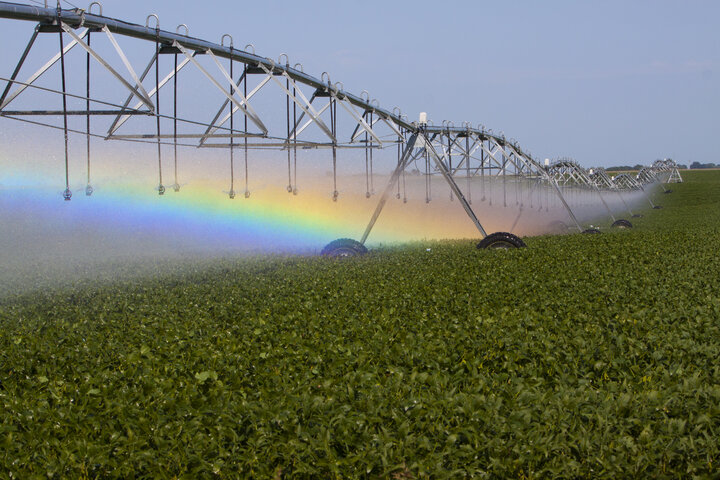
{"x": 67, "y": 194}
{"x": 89, "y": 190}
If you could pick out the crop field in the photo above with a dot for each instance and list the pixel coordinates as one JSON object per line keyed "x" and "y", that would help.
{"x": 580, "y": 356}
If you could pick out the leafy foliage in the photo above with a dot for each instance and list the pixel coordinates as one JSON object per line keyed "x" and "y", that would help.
{"x": 580, "y": 356}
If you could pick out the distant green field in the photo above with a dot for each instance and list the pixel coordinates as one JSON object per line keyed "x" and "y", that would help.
{"x": 581, "y": 356}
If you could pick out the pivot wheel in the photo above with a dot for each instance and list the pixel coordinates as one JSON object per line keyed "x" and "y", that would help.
{"x": 502, "y": 240}
{"x": 657, "y": 207}
{"x": 636, "y": 215}
{"x": 668, "y": 191}
{"x": 591, "y": 231}
{"x": 344, "y": 247}
{"x": 621, "y": 223}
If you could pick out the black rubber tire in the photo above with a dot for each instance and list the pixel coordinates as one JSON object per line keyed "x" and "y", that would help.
{"x": 636, "y": 215}
{"x": 591, "y": 231}
{"x": 502, "y": 240}
{"x": 667, "y": 191}
{"x": 622, "y": 223}
{"x": 344, "y": 247}
{"x": 657, "y": 207}
{"x": 557, "y": 226}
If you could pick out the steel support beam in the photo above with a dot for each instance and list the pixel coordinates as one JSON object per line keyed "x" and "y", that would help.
{"x": 402, "y": 163}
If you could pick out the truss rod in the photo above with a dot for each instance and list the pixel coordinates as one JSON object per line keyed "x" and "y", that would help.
{"x": 244, "y": 106}
{"x": 154, "y": 91}
{"x": 69, "y": 112}
{"x": 306, "y": 107}
{"x": 115, "y": 125}
{"x": 214, "y": 125}
{"x": 139, "y": 91}
{"x": 122, "y": 108}
{"x": 359, "y": 119}
{"x": 19, "y": 65}
{"x": 41, "y": 70}
{"x": 95, "y": 135}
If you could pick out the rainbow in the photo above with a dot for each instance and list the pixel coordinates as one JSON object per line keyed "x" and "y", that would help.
{"x": 202, "y": 215}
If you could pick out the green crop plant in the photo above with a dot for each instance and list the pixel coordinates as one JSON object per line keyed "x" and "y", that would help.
{"x": 578, "y": 357}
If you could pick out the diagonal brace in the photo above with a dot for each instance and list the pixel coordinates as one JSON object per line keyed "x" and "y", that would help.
{"x": 244, "y": 106}
{"x": 454, "y": 187}
{"x": 404, "y": 160}
{"x": 41, "y": 71}
{"x": 139, "y": 91}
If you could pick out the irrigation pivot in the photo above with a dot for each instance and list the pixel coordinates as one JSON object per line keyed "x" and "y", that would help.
{"x": 257, "y": 103}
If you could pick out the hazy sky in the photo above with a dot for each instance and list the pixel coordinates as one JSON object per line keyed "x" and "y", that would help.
{"x": 605, "y": 82}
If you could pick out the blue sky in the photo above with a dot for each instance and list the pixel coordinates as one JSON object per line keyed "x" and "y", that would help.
{"x": 607, "y": 83}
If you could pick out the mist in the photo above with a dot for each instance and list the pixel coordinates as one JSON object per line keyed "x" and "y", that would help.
{"x": 47, "y": 241}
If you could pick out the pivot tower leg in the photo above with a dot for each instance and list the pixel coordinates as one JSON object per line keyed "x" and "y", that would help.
{"x": 404, "y": 160}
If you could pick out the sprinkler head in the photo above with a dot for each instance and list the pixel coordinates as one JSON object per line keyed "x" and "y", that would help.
{"x": 176, "y": 187}
{"x": 67, "y": 194}
{"x": 247, "y": 193}
{"x": 161, "y": 189}
{"x": 404, "y": 199}
{"x": 289, "y": 188}
{"x": 335, "y": 195}
{"x": 89, "y": 190}
{"x": 295, "y": 191}
{"x": 367, "y": 194}
{"x": 231, "y": 194}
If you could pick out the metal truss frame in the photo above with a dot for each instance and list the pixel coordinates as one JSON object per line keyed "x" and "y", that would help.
{"x": 451, "y": 152}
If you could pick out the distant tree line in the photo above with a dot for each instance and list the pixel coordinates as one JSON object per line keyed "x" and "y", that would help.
{"x": 695, "y": 165}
